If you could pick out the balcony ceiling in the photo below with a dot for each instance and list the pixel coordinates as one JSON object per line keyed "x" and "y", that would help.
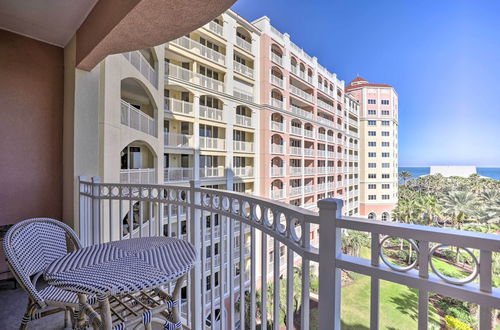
{"x": 51, "y": 21}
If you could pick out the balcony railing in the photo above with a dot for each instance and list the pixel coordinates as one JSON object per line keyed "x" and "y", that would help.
{"x": 178, "y": 140}
{"x": 308, "y": 189}
{"x": 141, "y": 64}
{"x": 101, "y": 215}
{"x": 296, "y": 170}
{"x": 277, "y": 193}
{"x": 277, "y": 171}
{"x": 308, "y": 133}
{"x": 215, "y": 27}
{"x": 138, "y": 175}
{"x": 277, "y": 148}
{"x": 243, "y": 69}
{"x": 179, "y": 106}
{"x": 211, "y": 113}
{"x": 295, "y": 130}
{"x": 212, "y": 143}
{"x": 277, "y": 81}
{"x": 177, "y": 72}
{"x": 325, "y": 105}
{"x": 325, "y": 121}
{"x": 308, "y": 152}
{"x": 309, "y": 170}
{"x": 243, "y": 94}
{"x": 277, "y": 59}
{"x": 321, "y": 136}
{"x": 322, "y": 153}
{"x": 243, "y": 44}
{"x": 276, "y": 103}
{"x": 243, "y": 120}
{"x": 243, "y": 172}
{"x": 200, "y": 49}
{"x": 243, "y": 146}
{"x": 301, "y": 112}
{"x": 172, "y": 174}
{"x": 277, "y": 126}
{"x": 212, "y": 172}
{"x": 296, "y": 191}
{"x": 136, "y": 119}
{"x": 296, "y": 151}
{"x": 300, "y": 93}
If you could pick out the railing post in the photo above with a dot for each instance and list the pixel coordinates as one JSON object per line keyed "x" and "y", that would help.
{"x": 83, "y": 212}
{"x": 330, "y": 211}
{"x": 96, "y": 211}
{"x": 196, "y": 273}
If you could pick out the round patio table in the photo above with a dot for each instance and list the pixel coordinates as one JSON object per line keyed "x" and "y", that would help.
{"x": 121, "y": 267}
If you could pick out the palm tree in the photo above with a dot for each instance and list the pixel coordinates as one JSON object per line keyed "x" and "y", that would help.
{"x": 404, "y": 175}
{"x": 429, "y": 207}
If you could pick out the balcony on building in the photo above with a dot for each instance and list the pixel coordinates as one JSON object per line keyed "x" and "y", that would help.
{"x": 243, "y": 116}
{"x": 321, "y": 136}
{"x": 296, "y": 148}
{"x": 277, "y": 190}
{"x": 137, "y": 164}
{"x": 203, "y": 46}
{"x": 146, "y": 61}
{"x": 212, "y": 167}
{"x": 276, "y": 77}
{"x": 178, "y": 134}
{"x": 216, "y": 26}
{"x": 212, "y": 137}
{"x": 301, "y": 109}
{"x": 277, "y": 168}
{"x": 325, "y": 104}
{"x": 243, "y": 141}
{"x": 321, "y": 151}
{"x": 308, "y": 131}
{"x": 178, "y": 167}
{"x": 211, "y": 108}
{"x": 309, "y": 187}
{"x": 243, "y": 64}
{"x": 179, "y": 68}
{"x": 300, "y": 90}
{"x": 325, "y": 119}
{"x": 277, "y": 123}
{"x": 309, "y": 149}
{"x": 276, "y": 98}
{"x": 243, "y": 167}
{"x": 138, "y": 109}
{"x": 178, "y": 100}
{"x": 276, "y": 54}
{"x": 277, "y": 144}
{"x": 330, "y": 136}
{"x": 309, "y": 167}
{"x": 301, "y": 70}
{"x": 244, "y": 39}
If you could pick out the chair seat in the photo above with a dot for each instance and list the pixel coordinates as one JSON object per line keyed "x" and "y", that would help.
{"x": 55, "y": 296}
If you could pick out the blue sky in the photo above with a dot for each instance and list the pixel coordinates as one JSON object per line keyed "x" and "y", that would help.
{"x": 443, "y": 57}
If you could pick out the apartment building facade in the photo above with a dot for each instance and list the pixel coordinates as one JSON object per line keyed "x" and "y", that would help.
{"x": 378, "y": 105}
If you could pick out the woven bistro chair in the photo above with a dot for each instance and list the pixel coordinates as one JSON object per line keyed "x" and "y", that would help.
{"x": 30, "y": 246}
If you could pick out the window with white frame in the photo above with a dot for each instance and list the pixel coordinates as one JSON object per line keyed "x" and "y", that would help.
{"x": 372, "y": 165}
{"x": 386, "y": 165}
{"x": 386, "y": 144}
{"x": 372, "y": 133}
{"x": 385, "y": 112}
{"x": 372, "y": 154}
{"x": 372, "y": 112}
{"x": 372, "y": 176}
{"x": 372, "y": 101}
{"x": 385, "y": 123}
{"x": 372, "y": 123}
{"x": 386, "y": 186}
{"x": 372, "y": 143}
{"x": 372, "y": 197}
{"x": 385, "y": 154}
{"x": 372, "y": 186}
{"x": 386, "y": 197}
{"x": 385, "y": 133}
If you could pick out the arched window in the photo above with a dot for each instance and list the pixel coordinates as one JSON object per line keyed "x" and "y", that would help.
{"x": 372, "y": 216}
{"x": 385, "y": 216}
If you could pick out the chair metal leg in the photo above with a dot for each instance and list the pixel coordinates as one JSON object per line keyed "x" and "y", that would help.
{"x": 30, "y": 309}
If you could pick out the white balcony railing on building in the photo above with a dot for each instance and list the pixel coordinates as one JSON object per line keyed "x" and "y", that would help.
{"x": 296, "y": 170}
{"x": 211, "y": 113}
{"x": 277, "y": 148}
{"x": 325, "y": 121}
{"x": 172, "y": 174}
{"x": 309, "y": 189}
{"x": 209, "y": 83}
{"x": 322, "y": 153}
{"x": 330, "y": 170}
{"x": 331, "y": 154}
{"x": 330, "y": 138}
{"x": 295, "y": 130}
{"x": 212, "y": 143}
{"x": 296, "y": 191}
{"x": 308, "y": 152}
{"x": 138, "y": 176}
{"x": 212, "y": 172}
{"x": 277, "y": 171}
{"x": 309, "y": 170}
{"x": 243, "y": 94}
{"x": 300, "y": 93}
{"x": 324, "y": 105}
{"x": 178, "y": 140}
{"x": 243, "y": 69}
{"x": 141, "y": 64}
{"x": 277, "y": 193}
{"x": 136, "y": 119}
{"x": 179, "y": 106}
{"x": 243, "y": 146}
{"x": 200, "y": 49}
{"x": 277, "y": 59}
{"x": 243, "y": 172}
{"x": 101, "y": 214}
{"x": 321, "y": 170}
{"x": 276, "y": 103}
{"x": 243, "y": 44}
{"x": 215, "y": 27}
{"x": 321, "y": 187}
{"x": 243, "y": 120}
{"x": 277, "y": 81}
{"x": 277, "y": 126}
{"x": 301, "y": 112}
{"x": 296, "y": 151}
{"x": 308, "y": 133}
{"x": 177, "y": 72}
{"x": 321, "y": 136}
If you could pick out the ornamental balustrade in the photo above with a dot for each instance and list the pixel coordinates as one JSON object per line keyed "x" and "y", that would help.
{"x": 104, "y": 210}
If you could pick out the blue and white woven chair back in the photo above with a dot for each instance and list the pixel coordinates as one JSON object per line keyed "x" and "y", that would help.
{"x": 31, "y": 245}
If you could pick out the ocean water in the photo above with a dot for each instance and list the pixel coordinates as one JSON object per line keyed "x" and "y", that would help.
{"x": 490, "y": 172}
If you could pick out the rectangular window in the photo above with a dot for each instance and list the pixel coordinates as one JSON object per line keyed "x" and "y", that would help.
{"x": 385, "y": 197}
{"x": 386, "y": 186}
{"x": 372, "y": 123}
{"x": 372, "y": 101}
{"x": 372, "y": 143}
{"x": 372, "y": 176}
{"x": 372, "y": 186}
{"x": 372, "y": 197}
{"x": 385, "y": 154}
{"x": 372, "y": 112}
{"x": 385, "y": 133}
{"x": 385, "y": 123}
{"x": 372, "y": 165}
{"x": 372, "y": 154}
{"x": 386, "y": 165}
{"x": 386, "y": 144}
{"x": 385, "y": 112}
{"x": 386, "y": 176}
{"x": 385, "y": 102}
{"x": 372, "y": 133}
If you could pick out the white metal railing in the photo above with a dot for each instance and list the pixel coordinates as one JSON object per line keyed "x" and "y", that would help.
{"x": 277, "y": 171}
{"x": 296, "y": 191}
{"x": 300, "y": 93}
{"x": 277, "y": 148}
{"x": 277, "y": 81}
{"x": 243, "y": 172}
{"x": 324, "y": 105}
{"x": 178, "y": 140}
{"x": 211, "y": 113}
{"x": 210, "y": 83}
{"x": 215, "y": 27}
{"x": 277, "y": 59}
{"x": 243, "y": 120}
{"x": 325, "y": 121}
{"x": 212, "y": 143}
{"x": 321, "y": 136}
{"x": 308, "y": 133}
{"x": 295, "y": 130}
{"x": 321, "y": 170}
{"x": 243, "y": 94}
{"x": 322, "y": 153}
{"x": 243, "y": 44}
{"x": 200, "y": 49}
{"x": 295, "y": 151}
{"x": 243, "y": 69}
{"x": 277, "y": 193}
{"x": 212, "y": 172}
{"x": 331, "y": 154}
{"x": 102, "y": 209}
{"x": 353, "y": 122}
{"x": 243, "y": 146}
{"x": 308, "y": 152}
{"x": 321, "y": 186}
{"x": 175, "y": 71}
{"x": 138, "y": 175}
{"x": 308, "y": 188}
{"x": 296, "y": 170}
{"x": 179, "y": 106}
{"x": 277, "y": 126}
{"x": 301, "y": 112}
{"x": 330, "y": 170}
{"x": 141, "y": 64}
{"x": 330, "y": 138}
{"x": 136, "y": 119}
{"x": 172, "y": 174}
{"x": 276, "y": 103}
{"x": 309, "y": 170}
